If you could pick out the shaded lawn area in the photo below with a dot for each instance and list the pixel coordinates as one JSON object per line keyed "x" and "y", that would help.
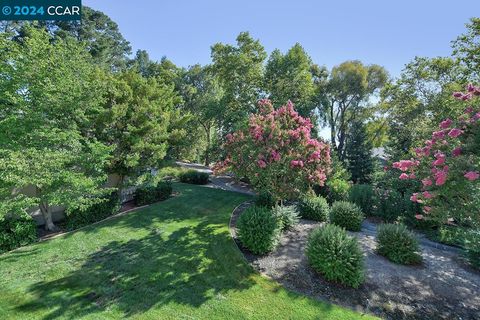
{"x": 172, "y": 260}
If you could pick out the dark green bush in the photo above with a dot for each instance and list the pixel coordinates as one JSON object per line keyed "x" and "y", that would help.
{"x": 335, "y": 255}
{"x": 390, "y": 205}
{"x": 472, "y": 247}
{"x": 347, "y": 215}
{"x": 194, "y": 177}
{"x": 82, "y": 217}
{"x": 258, "y": 229}
{"x": 287, "y": 215}
{"x": 16, "y": 231}
{"x": 314, "y": 207}
{"x": 264, "y": 199}
{"x": 397, "y": 244}
{"x": 150, "y": 193}
{"x": 364, "y": 197}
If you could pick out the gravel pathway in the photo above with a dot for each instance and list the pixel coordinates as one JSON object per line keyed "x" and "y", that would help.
{"x": 443, "y": 287}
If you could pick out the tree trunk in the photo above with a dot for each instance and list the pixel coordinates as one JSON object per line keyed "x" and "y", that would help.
{"x": 332, "y": 127}
{"x": 47, "y": 216}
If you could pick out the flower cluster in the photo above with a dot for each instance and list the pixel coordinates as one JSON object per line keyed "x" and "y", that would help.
{"x": 446, "y": 164}
{"x": 276, "y": 152}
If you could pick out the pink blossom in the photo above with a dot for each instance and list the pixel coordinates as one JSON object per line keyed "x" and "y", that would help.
{"x": 471, "y": 175}
{"x": 456, "y": 152}
{"x": 468, "y": 110}
{"x": 275, "y": 155}
{"x": 454, "y": 133}
{"x": 438, "y": 134}
{"x": 427, "y": 209}
{"x": 412, "y": 176}
{"x": 403, "y": 176}
{"x": 427, "y": 195}
{"x": 419, "y": 216}
{"x": 414, "y": 197}
{"x": 470, "y": 87}
{"x": 458, "y": 94}
{"x": 262, "y": 164}
{"x": 441, "y": 178}
{"x": 445, "y": 123}
{"x": 427, "y": 182}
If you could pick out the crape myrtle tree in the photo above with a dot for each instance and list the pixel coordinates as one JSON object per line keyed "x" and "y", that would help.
{"x": 49, "y": 96}
{"x": 276, "y": 152}
{"x": 448, "y": 166}
{"x": 344, "y": 94}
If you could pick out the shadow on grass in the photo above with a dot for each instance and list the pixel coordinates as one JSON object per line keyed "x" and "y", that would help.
{"x": 186, "y": 267}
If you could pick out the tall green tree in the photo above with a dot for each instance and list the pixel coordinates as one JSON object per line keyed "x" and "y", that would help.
{"x": 419, "y": 99}
{"x": 101, "y": 35}
{"x": 348, "y": 90}
{"x": 289, "y": 77}
{"x": 49, "y": 156}
{"x": 202, "y": 97}
{"x": 358, "y": 154}
{"x": 240, "y": 72}
{"x": 466, "y": 48}
{"x": 136, "y": 122}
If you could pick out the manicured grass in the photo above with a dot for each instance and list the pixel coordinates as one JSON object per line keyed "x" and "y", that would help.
{"x": 172, "y": 260}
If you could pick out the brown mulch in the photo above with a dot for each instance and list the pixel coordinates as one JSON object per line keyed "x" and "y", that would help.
{"x": 443, "y": 287}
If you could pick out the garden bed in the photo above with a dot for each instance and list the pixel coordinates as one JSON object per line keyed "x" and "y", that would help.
{"x": 442, "y": 287}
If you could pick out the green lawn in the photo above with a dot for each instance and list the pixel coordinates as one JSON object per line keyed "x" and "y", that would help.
{"x": 172, "y": 260}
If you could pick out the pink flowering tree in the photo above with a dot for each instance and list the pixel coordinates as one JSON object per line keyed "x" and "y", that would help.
{"x": 276, "y": 152}
{"x": 448, "y": 166}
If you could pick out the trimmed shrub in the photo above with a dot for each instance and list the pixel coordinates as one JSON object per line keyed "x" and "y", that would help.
{"x": 346, "y": 215}
{"x": 335, "y": 255}
{"x": 364, "y": 197}
{"x": 16, "y": 231}
{"x": 82, "y": 217}
{"x": 258, "y": 229}
{"x": 288, "y": 216}
{"x": 314, "y": 207}
{"x": 397, "y": 244}
{"x": 169, "y": 172}
{"x": 150, "y": 193}
{"x": 472, "y": 248}
{"x": 194, "y": 177}
{"x": 264, "y": 199}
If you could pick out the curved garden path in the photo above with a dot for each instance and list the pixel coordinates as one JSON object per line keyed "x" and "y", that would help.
{"x": 443, "y": 287}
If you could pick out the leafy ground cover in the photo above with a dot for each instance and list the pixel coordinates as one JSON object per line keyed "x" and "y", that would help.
{"x": 172, "y": 260}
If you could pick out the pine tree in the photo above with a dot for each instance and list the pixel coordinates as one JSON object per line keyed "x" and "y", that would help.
{"x": 358, "y": 154}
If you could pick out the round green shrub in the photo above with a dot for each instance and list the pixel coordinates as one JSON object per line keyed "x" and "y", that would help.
{"x": 16, "y": 231}
{"x": 364, "y": 197}
{"x": 194, "y": 177}
{"x": 164, "y": 190}
{"x": 347, "y": 215}
{"x": 397, "y": 244}
{"x": 264, "y": 199}
{"x": 335, "y": 255}
{"x": 288, "y": 216}
{"x": 314, "y": 207}
{"x": 258, "y": 229}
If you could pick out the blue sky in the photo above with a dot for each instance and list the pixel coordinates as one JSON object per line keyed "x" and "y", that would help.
{"x": 389, "y": 33}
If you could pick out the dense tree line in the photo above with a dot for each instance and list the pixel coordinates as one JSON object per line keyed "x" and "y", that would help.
{"x": 75, "y": 106}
